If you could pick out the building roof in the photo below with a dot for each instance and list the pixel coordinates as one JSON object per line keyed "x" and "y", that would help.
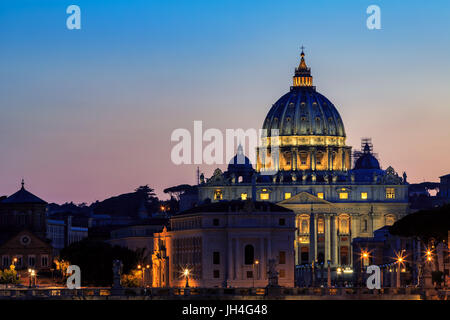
{"x": 237, "y": 205}
{"x": 23, "y": 196}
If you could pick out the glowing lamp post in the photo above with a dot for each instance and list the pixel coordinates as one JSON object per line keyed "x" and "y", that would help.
{"x": 31, "y": 278}
{"x": 429, "y": 258}
{"x": 143, "y": 272}
{"x": 255, "y": 264}
{"x": 364, "y": 260}
{"x": 186, "y": 275}
{"x": 399, "y": 263}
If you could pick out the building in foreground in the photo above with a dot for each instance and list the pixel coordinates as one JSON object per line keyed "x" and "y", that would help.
{"x": 226, "y": 244}
{"x": 334, "y": 200}
{"x": 23, "y": 232}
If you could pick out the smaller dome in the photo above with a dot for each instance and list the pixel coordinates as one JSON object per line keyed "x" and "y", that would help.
{"x": 367, "y": 160}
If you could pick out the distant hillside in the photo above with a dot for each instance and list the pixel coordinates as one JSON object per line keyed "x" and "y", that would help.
{"x": 128, "y": 204}
{"x": 124, "y": 205}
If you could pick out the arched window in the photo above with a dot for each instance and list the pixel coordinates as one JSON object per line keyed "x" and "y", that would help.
{"x": 320, "y": 226}
{"x": 304, "y": 225}
{"x": 249, "y": 253}
{"x": 344, "y": 224}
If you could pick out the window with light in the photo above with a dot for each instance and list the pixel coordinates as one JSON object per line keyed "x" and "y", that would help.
{"x": 264, "y": 196}
{"x": 390, "y": 193}
{"x": 344, "y": 225}
{"x": 287, "y": 195}
{"x": 243, "y": 196}
{"x": 320, "y": 195}
{"x": 320, "y": 226}
{"x": 364, "y": 195}
{"x": 343, "y": 195}
{"x": 304, "y": 225}
{"x": 218, "y": 195}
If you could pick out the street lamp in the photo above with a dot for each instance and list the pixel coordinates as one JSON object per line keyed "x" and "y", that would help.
{"x": 364, "y": 260}
{"x": 31, "y": 275}
{"x": 186, "y": 275}
{"x": 254, "y": 273}
{"x": 142, "y": 269}
{"x": 429, "y": 255}
{"x": 400, "y": 260}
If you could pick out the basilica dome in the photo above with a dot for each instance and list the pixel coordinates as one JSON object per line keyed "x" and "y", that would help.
{"x": 310, "y": 132}
{"x": 303, "y": 111}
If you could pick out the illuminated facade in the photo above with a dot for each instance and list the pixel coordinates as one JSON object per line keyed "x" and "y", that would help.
{"x": 226, "y": 244}
{"x": 334, "y": 200}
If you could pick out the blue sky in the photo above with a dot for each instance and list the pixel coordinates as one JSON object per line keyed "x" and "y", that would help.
{"x": 88, "y": 113}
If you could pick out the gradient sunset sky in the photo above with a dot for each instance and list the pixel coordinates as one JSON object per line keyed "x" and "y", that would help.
{"x": 88, "y": 114}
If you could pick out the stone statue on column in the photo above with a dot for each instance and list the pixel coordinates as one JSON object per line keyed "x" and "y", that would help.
{"x": 117, "y": 272}
{"x": 272, "y": 274}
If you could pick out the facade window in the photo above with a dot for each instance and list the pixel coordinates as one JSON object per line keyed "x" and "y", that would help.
{"x": 31, "y": 261}
{"x": 264, "y": 196}
{"x": 365, "y": 225}
{"x": 215, "y": 222}
{"x": 304, "y": 225}
{"x": 287, "y": 195}
{"x": 344, "y": 225}
{"x": 218, "y": 195}
{"x": 282, "y": 257}
{"x": 44, "y": 261}
{"x": 6, "y": 262}
{"x": 282, "y": 273}
{"x": 216, "y": 274}
{"x": 249, "y": 274}
{"x": 243, "y": 196}
{"x": 320, "y": 226}
{"x": 282, "y": 222}
{"x": 216, "y": 257}
{"x": 249, "y": 254}
{"x": 343, "y": 195}
{"x": 320, "y": 195}
{"x": 19, "y": 261}
{"x": 364, "y": 195}
{"x": 390, "y": 193}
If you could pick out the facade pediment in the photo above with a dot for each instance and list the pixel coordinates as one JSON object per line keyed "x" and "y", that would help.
{"x": 304, "y": 198}
{"x": 24, "y": 239}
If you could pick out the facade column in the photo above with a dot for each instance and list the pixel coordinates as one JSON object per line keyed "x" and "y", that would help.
{"x": 315, "y": 237}
{"x": 332, "y": 159}
{"x": 261, "y": 259}
{"x": 327, "y": 239}
{"x": 335, "y": 240}
{"x": 312, "y": 233}
{"x": 294, "y": 159}
{"x": 313, "y": 158}
{"x": 343, "y": 159}
{"x": 230, "y": 261}
{"x": 354, "y": 232}
{"x": 328, "y": 158}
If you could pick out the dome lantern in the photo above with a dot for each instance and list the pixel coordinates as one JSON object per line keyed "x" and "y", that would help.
{"x": 302, "y": 76}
